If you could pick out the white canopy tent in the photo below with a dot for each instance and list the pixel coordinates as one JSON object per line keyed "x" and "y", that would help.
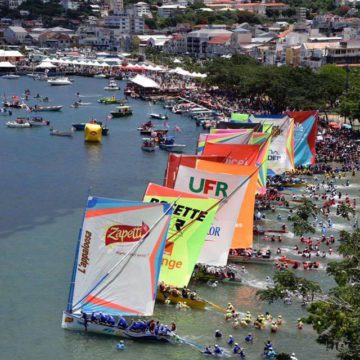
{"x": 46, "y": 65}
{"x": 7, "y": 65}
{"x": 145, "y": 82}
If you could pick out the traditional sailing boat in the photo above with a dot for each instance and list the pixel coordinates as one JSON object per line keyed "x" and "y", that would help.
{"x": 118, "y": 242}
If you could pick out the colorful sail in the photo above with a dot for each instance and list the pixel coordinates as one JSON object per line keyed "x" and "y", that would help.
{"x": 264, "y": 139}
{"x": 281, "y": 152}
{"x": 243, "y": 154}
{"x": 216, "y": 185}
{"x": 191, "y": 220}
{"x": 119, "y": 240}
{"x": 228, "y": 138}
{"x": 243, "y": 234}
{"x": 175, "y": 160}
{"x": 305, "y": 136}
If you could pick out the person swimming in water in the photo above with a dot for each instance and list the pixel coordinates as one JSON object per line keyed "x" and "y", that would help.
{"x": 217, "y": 349}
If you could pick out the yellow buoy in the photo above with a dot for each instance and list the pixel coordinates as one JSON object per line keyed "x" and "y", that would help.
{"x": 93, "y": 133}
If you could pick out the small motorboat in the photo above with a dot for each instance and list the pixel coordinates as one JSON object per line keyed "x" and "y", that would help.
{"x": 112, "y": 85}
{"x": 10, "y": 76}
{"x": 110, "y": 100}
{"x": 99, "y": 76}
{"x": 16, "y": 103}
{"x": 148, "y": 145}
{"x": 38, "y": 108}
{"x": 159, "y": 116}
{"x": 38, "y": 121}
{"x": 61, "y": 133}
{"x": 168, "y": 144}
{"x": 121, "y": 111}
{"x": 59, "y": 81}
{"x": 252, "y": 256}
{"x": 79, "y": 103}
{"x": 18, "y": 123}
{"x": 175, "y": 148}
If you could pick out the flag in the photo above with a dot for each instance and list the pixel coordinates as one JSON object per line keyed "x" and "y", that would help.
{"x": 177, "y": 128}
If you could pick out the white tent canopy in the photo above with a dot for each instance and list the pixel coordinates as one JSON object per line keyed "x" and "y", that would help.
{"x": 145, "y": 82}
{"x": 6, "y": 64}
{"x": 46, "y": 65}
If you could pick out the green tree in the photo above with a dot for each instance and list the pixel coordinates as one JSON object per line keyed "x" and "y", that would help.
{"x": 350, "y": 102}
{"x": 301, "y": 224}
{"x": 332, "y": 81}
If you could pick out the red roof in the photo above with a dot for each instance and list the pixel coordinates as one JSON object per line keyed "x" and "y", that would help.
{"x": 220, "y": 39}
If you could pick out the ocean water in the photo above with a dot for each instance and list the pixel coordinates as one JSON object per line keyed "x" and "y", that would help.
{"x": 45, "y": 181}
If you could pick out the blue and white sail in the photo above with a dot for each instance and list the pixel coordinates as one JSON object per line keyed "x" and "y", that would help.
{"x": 118, "y": 257}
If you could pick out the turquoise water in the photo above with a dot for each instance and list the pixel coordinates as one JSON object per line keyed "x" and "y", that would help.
{"x": 45, "y": 181}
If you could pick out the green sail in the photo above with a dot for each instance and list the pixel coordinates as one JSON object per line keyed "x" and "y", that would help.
{"x": 185, "y": 241}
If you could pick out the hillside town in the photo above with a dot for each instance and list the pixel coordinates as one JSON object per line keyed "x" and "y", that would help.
{"x": 273, "y": 33}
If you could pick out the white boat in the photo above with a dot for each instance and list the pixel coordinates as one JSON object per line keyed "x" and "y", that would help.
{"x": 117, "y": 240}
{"x": 159, "y": 116}
{"x": 60, "y": 81}
{"x": 99, "y": 76}
{"x": 18, "y": 124}
{"x": 10, "y": 76}
{"x": 175, "y": 148}
{"x": 112, "y": 85}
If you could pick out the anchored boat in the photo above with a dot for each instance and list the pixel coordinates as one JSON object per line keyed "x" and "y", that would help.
{"x": 110, "y": 100}
{"x": 118, "y": 240}
{"x": 61, "y": 133}
{"x": 38, "y": 108}
{"x": 121, "y": 111}
{"x": 19, "y": 123}
{"x": 159, "y": 116}
{"x": 112, "y": 85}
{"x": 60, "y": 81}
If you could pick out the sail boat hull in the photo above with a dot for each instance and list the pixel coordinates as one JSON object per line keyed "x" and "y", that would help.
{"x": 76, "y": 323}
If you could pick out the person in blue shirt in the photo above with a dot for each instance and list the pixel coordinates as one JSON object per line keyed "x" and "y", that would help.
{"x": 93, "y": 317}
{"x": 236, "y": 348}
{"x": 231, "y": 340}
{"x": 120, "y": 345}
{"x": 217, "y": 349}
{"x": 208, "y": 351}
{"x": 122, "y": 323}
{"x": 249, "y": 338}
{"x": 85, "y": 318}
{"x": 102, "y": 318}
{"x": 111, "y": 320}
{"x": 268, "y": 345}
{"x": 271, "y": 354}
{"x": 242, "y": 354}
